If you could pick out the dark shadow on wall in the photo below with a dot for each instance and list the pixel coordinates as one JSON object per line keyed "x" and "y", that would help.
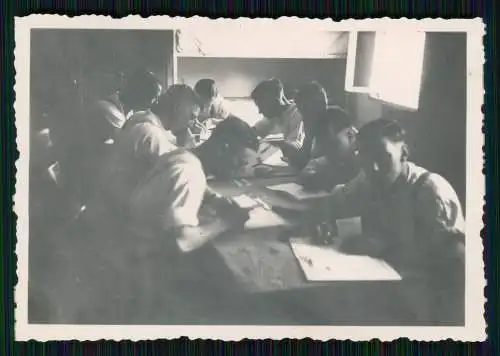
{"x": 437, "y": 132}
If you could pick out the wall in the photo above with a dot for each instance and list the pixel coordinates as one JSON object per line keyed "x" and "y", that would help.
{"x": 237, "y": 77}
{"x": 71, "y": 68}
{"x": 437, "y": 131}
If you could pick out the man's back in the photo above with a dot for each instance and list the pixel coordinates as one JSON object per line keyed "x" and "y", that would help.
{"x": 170, "y": 194}
{"x": 138, "y": 145}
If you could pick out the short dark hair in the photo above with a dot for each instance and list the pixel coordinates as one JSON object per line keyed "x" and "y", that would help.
{"x": 235, "y": 132}
{"x": 175, "y": 96}
{"x": 312, "y": 91}
{"x": 140, "y": 89}
{"x": 270, "y": 88}
{"x": 206, "y": 88}
{"x": 382, "y": 128}
{"x": 338, "y": 119}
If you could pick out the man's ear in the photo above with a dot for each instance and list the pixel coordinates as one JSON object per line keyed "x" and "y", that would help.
{"x": 405, "y": 152}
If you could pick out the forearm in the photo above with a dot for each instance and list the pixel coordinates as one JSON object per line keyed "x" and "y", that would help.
{"x": 298, "y": 155}
{"x": 210, "y": 195}
{"x": 190, "y": 238}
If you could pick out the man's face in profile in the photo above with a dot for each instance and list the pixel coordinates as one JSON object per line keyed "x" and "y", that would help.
{"x": 184, "y": 117}
{"x": 382, "y": 161}
{"x": 268, "y": 107}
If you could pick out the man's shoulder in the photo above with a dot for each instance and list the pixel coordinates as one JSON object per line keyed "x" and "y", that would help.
{"x": 142, "y": 122}
{"x": 432, "y": 185}
{"x": 180, "y": 156}
{"x": 182, "y": 161}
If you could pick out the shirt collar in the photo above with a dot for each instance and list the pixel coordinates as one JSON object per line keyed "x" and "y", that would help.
{"x": 146, "y": 116}
{"x": 400, "y": 184}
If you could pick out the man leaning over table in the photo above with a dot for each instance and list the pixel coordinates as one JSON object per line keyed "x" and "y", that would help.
{"x": 281, "y": 116}
{"x": 168, "y": 200}
{"x": 413, "y": 216}
{"x": 147, "y": 135}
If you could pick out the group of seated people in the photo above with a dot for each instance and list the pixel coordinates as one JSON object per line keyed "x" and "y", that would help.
{"x": 156, "y": 171}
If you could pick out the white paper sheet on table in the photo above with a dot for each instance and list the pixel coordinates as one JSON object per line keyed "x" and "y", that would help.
{"x": 273, "y": 137}
{"x": 275, "y": 160}
{"x": 262, "y": 218}
{"x": 325, "y": 263}
{"x": 298, "y": 191}
{"x": 245, "y": 202}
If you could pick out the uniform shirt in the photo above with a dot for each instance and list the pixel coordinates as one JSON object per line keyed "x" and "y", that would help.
{"x": 410, "y": 219}
{"x": 116, "y": 115}
{"x": 216, "y": 110}
{"x": 171, "y": 194}
{"x": 289, "y": 124}
{"x": 138, "y": 145}
{"x": 107, "y": 117}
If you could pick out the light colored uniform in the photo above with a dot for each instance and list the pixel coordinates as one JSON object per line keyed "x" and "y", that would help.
{"x": 289, "y": 124}
{"x": 435, "y": 205}
{"x": 171, "y": 194}
{"x": 138, "y": 145}
{"x": 414, "y": 223}
{"x": 216, "y": 110}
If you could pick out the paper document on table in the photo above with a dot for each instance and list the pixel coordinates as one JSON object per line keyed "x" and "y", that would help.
{"x": 325, "y": 263}
{"x": 273, "y": 137}
{"x": 245, "y": 202}
{"x": 275, "y": 159}
{"x": 298, "y": 191}
{"x": 261, "y": 218}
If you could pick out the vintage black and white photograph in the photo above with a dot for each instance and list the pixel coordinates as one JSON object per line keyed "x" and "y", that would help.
{"x": 249, "y": 178}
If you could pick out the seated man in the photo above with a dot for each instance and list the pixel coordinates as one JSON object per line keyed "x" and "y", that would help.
{"x": 108, "y": 116}
{"x": 312, "y": 103}
{"x": 337, "y": 145}
{"x": 281, "y": 116}
{"x": 167, "y": 201}
{"x": 212, "y": 111}
{"x": 413, "y": 215}
{"x": 145, "y": 137}
{"x": 213, "y": 105}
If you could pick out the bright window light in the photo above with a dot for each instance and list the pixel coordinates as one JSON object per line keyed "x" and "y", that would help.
{"x": 360, "y": 52}
{"x": 396, "y": 72}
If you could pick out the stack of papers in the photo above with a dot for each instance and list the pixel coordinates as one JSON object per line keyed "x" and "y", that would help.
{"x": 298, "y": 191}
{"x": 325, "y": 263}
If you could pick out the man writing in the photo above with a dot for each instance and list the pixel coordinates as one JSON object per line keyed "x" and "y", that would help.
{"x": 281, "y": 116}
{"x": 413, "y": 216}
{"x": 147, "y": 135}
{"x": 337, "y": 149}
{"x": 167, "y": 201}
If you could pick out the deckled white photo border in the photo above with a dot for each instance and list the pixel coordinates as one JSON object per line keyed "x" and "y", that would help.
{"x": 474, "y": 329}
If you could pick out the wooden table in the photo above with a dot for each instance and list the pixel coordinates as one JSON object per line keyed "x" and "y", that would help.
{"x": 90, "y": 272}
{"x": 264, "y": 265}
